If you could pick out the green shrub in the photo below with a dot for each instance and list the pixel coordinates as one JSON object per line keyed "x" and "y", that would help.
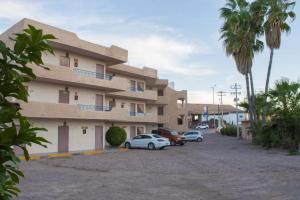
{"x": 115, "y": 136}
{"x": 229, "y": 131}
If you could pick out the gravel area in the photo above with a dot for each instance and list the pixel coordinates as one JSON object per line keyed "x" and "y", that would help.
{"x": 220, "y": 168}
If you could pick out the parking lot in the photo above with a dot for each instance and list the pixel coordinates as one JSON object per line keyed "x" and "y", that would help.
{"x": 218, "y": 168}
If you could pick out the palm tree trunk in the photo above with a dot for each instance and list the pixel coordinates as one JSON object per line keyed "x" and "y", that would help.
{"x": 249, "y": 100}
{"x": 265, "y": 106}
{"x": 253, "y": 97}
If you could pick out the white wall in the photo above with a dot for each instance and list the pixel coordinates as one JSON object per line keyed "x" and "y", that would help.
{"x": 48, "y": 92}
{"x": 84, "y": 62}
{"x": 77, "y": 140}
{"x": 229, "y": 118}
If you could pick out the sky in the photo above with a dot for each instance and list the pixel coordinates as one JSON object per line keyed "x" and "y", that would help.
{"x": 178, "y": 38}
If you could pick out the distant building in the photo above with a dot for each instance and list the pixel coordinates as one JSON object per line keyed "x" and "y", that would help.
{"x": 198, "y": 113}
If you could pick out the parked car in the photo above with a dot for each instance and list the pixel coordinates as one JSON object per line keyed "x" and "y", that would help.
{"x": 172, "y": 135}
{"x": 150, "y": 141}
{"x": 202, "y": 126}
{"x": 193, "y": 135}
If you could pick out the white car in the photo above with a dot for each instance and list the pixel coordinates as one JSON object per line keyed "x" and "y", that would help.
{"x": 202, "y": 126}
{"x": 193, "y": 135}
{"x": 150, "y": 141}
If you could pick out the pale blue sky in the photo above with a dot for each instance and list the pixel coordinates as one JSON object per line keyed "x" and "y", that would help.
{"x": 179, "y": 38}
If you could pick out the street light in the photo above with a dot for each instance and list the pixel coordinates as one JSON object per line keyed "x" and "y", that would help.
{"x": 213, "y": 88}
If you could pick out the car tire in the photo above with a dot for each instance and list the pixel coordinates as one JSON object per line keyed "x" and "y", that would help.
{"x": 151, "y": 146}
{"x": 199, "y": 140}
{"x": 182, "y": 143}
{"x": 161, "y": 148}
{"x": 172, "y": 143}
{"x": 127, "y": 145}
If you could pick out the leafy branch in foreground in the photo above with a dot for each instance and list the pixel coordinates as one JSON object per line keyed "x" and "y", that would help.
{"x": 15, "y": 129}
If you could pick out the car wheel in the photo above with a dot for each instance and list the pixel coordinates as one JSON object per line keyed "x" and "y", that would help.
{"x": 199, "y": 140}
{"x": 182, "y": 143}
{"x": 151, "y": 146}
{"x": 173, "y": 143}
{"x": 161, "y": 148}
{"x": 127, "y": 145}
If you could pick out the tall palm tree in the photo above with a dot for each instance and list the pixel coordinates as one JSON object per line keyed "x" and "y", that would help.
{"x": 277, "y": 16}
{"x": 240, "y": 39}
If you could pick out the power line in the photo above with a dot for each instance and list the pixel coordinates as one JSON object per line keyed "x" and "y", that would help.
{"x": 236, "y": 92}
{"x": 221, "y": 94}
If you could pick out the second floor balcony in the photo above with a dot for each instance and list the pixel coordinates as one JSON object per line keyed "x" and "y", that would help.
{"x": 84, "y": 112}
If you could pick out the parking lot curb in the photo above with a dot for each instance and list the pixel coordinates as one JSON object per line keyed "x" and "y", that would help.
{"x": 32, "y": 157}
{"x": 59, "y": 155}
{"x": 91, "y": 152}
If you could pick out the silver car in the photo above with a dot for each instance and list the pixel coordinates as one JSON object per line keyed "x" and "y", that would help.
{"x": 193, "y": 135}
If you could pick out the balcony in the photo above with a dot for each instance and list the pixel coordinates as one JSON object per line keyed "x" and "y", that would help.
{"x": 85, "y": 112}
{"x": 94, "y": 107}
{"x": 79, "y": 77}
{"x": 136, "y": 94}
{"x": 91, "y": 74}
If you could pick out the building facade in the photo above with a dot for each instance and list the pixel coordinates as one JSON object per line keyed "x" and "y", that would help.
{"x": 88, "y": 89}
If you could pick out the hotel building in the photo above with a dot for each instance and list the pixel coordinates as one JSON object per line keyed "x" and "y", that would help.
{"x": 88, "y": 89}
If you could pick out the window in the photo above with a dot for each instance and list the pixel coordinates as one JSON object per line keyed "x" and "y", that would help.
{"x": 160, "y": 125}
{"x": 160, "y": 92}
{"x": 146, "y": 137}
{"x": 76, "y": 96}
{"x": 75, "y": 62}
{"x": 140, "y": 108}
{"x": 63, "y": 96}
{"x": 137, "y": 137}
{"x": 160, "y": 110}
{"x": 132, "y": 86}
{"x": 180, "y": 119}
{"x": 140, "y": 86}
{"x": 122, "y": 105}
{"x": 157, "y": 136}
{"x": 65, "y": 60}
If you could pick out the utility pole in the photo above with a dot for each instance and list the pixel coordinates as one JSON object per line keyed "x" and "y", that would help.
{"x": 221, "y": 94}
{"x": 236, "y": 92}
{"x": 213, "y": 88}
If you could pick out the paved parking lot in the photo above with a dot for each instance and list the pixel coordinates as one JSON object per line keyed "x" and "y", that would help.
{"x": 220, "y": 168}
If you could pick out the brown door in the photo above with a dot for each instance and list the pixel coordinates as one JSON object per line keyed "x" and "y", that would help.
{"x": 63, "y": 96}
{"x": 99, "y": 71}
{"x": 63, "y": 139}
{"x": 132, "y": 109}
{"x": 99, "y": 102}
{"x": 98, "y": 137}
{"x": 132, "y": 131}
{"x": 132, "y": 85}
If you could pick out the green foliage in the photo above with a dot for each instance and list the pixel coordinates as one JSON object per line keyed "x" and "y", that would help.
{"x": 229, "y": 130}
{"x": 283, "y": 129}
{"x": 115, "y": 136}
{"x": 15, "y": 129}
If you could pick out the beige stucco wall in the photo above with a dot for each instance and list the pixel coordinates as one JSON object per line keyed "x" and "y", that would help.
{"x": 49, "y": 92}
{"x": 172, "y": 110}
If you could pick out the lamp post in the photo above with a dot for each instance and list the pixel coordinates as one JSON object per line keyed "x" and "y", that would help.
{"x": 213, "y": 88}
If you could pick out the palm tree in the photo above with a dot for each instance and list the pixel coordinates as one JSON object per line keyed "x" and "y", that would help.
{"x": 277, "y": 15}
{"x": 239, "y": 34}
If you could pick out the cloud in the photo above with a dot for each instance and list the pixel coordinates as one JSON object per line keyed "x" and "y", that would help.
{"x": 149, "y": 44}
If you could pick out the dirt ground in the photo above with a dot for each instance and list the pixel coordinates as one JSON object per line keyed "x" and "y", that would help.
{"x": 219, "y": 168}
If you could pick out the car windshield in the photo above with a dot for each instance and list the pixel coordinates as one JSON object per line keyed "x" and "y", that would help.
{"x": 156, "y": 136}
{"x": 174, "y": 132}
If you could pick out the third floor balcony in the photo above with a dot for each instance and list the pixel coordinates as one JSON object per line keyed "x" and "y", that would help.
{"x": 80, "y": 77}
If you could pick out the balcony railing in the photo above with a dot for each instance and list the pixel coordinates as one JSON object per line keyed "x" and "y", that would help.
{"x": 86, "y": 73}
{"x": 134, "y": 89}
{"x": 139, "y": 114}
{"x": 94, "y": 107}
